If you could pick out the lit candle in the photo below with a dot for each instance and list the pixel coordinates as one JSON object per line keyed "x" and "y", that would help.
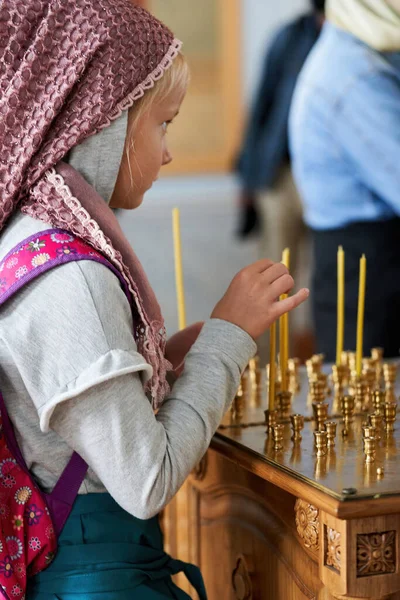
{"x": 284, "y": 332}
{"x": 272, "y": 366}
{"x": 180, "y": 295}
{"x": 340, "y": 305}
{"x": 360, "y": 314}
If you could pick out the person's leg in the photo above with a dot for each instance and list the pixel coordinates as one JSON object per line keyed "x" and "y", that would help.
{"x": 379, "y": 242}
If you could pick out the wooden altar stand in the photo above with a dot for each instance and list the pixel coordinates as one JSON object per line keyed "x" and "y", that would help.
{"x": 284, "y": 525}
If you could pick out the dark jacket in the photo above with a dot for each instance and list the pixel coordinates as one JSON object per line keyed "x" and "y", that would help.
{"x": 265, "y": 146}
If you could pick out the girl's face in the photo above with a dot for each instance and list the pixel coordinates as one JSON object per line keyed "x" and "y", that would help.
{"x": 142, "y": 160}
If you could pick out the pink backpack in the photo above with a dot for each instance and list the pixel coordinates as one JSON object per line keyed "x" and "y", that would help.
{"x": 31, "y": 520}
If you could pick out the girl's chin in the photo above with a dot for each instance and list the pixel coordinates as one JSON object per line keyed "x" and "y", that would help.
{"x": 137, "y": 201}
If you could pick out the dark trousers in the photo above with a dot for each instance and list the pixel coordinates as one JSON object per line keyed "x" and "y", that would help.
{"x": 380, "y": 242}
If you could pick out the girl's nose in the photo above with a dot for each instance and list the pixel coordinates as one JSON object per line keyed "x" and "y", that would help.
{"x": 167, "y": 158}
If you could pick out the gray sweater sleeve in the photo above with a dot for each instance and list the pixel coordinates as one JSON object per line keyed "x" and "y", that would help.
{"x": 72, "y": 379}
{"x": 143, "y": 459}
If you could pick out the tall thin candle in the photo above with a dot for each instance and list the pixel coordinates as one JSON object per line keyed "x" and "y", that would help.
{"x": 284, "y": 332}
{"x": 340, "y": 305}
{"x": 360, "y": 313}
{"x": 180, "y": 294}
{"x": 272, "y": 366}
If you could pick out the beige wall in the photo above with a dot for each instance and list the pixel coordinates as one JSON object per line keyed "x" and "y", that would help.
{"x": 204, "y": 137}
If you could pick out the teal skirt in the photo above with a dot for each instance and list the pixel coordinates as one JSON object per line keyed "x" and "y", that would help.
{"x": 106, "y": 554}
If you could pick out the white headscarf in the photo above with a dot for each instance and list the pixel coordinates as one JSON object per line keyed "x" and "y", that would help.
{"x": 375, "y": 22}
{"x": 98, "y": 158}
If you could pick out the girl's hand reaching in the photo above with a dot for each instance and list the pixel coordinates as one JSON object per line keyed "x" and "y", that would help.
{"x": 252, "y": 299}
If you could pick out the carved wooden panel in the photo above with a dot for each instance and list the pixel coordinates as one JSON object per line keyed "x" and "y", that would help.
{"x": 376, "y": 553}
{"x": 241, "y": 581}
{"x": 332, "y": 551}
{"x": 244, "y": 537}
{"x": 307, "y": 523}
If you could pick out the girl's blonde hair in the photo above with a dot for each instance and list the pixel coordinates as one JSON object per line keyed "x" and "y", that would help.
{"x": 176, "y": 77}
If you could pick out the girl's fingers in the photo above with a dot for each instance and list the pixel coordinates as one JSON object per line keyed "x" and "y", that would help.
{"x": 274, "y": 272}
{"x": 283, "y": 285}
{"x": 288, "y": 304}
{"x": 264, "y": 264}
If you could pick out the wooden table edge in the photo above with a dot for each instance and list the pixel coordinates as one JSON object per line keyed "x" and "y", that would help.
{"x": 342, "y": 508}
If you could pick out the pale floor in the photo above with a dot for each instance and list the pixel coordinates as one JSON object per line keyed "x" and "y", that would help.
{"x": 211, "y": 253}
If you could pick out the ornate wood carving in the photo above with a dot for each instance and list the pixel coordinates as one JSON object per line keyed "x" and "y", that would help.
{"x": 376, "y": 553}
{"x": 241, "y": 581}
{"x": 332, "y": 548}
{"x": 307, "y": 523}
{"x": 200, "y": 470}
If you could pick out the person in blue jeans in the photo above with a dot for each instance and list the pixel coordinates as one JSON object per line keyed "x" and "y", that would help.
{"x": 345, "y": 146}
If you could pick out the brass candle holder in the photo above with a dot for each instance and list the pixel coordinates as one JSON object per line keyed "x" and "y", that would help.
{"x": 352, "y": 361}
{"x": 370, "y": 449}
{"x": 320, "y": 411}
{"x": 316, "y": 390}
{"x": 377, "y": 355}
{"x": 238, "y": 408}
{"x": 293, "y": 375}
{"x": 389, "y": 375}
{"x": 277, "y": 436}
{"x": 368, "y": 431}
{"x": 245, "y": 383}
{"x": 370, "y": 381}
{"x": 258, "y": 378}
{"x": 297, "y": 426}
{"x": 378, "y": 400}
{"x": 360, "y": 393}
{"x": 376, "y": 421}
{"x": 348, "y": 407}
{"x": 284, "y": 403}
{"x": 340, "y": 376}
{"x": 321, "y": 443}
{"x": 256, "y": 390}
{"x": 253, "y": 366}
{"x": 324, "y": 380}
{"x": 390, "y": 410}
{"x": 330, "y": 428}
{"x": 344, "y": 358}
{"x": 314, "y": 365}
{"x": 271, "y": 418}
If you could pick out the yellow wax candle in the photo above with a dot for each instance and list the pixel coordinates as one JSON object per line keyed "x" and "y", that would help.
{"x": 340, "y": 305}
{"x": 284, "y": 332}
{"x": 180, "y": 295}
{"x": 272, "y": 365}
{"x": 360, "y": 314}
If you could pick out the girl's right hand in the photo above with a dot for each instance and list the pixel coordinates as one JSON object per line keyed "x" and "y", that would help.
{"x": 252, "y": 299}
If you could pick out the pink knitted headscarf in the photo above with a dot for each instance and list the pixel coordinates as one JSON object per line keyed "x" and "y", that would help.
{"x": 67, "y": 69}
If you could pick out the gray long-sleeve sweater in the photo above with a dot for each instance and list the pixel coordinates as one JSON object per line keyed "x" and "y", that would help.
{"x": 72, "y": 379}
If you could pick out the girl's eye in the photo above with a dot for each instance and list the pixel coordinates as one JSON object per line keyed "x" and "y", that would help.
{"x": 165, "y": 125}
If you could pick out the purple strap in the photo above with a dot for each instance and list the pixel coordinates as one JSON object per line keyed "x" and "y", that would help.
{"x": 62, "y": 498}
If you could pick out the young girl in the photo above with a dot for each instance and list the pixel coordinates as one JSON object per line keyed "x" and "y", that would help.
{"x": 82, "y": 367}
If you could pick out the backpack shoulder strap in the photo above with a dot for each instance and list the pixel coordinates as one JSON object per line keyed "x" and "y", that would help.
{"x": 30, "y": 258}
{"x": 41, "y": 252}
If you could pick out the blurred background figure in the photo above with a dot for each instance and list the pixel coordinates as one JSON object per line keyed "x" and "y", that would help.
{"x": 269, "y": 202}
{"x": 345, "y": 143}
